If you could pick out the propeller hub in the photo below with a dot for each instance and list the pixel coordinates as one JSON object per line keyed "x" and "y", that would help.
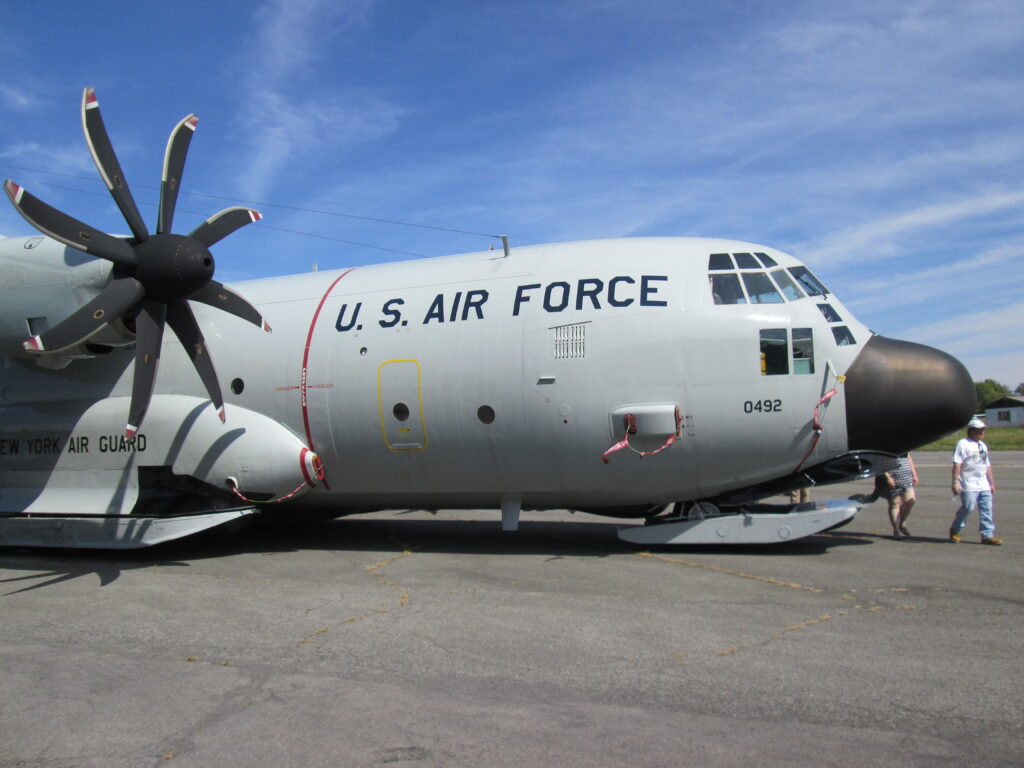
{"x": 173, "y": 267}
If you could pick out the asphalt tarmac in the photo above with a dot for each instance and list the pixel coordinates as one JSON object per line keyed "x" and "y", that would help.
{"x": 412, "y": 639}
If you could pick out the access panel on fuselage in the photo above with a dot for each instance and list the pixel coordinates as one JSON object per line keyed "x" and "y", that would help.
{"x": 400, "y": 405}
{"x": 600, "y": 337}
{"x": 421, "y": 406}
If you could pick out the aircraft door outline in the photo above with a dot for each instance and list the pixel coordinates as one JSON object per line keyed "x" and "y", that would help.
{"x": 400, "y": 405}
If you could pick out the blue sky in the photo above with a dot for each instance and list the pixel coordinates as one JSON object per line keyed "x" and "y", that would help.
{"x": 880, "y": 142}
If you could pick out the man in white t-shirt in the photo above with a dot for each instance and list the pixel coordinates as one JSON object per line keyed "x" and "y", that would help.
{"x": 972, "y": 480}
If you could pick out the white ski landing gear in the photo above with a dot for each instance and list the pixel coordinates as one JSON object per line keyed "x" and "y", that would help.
{"x": 108, "y": 531}
{"x": 704, "y": 523}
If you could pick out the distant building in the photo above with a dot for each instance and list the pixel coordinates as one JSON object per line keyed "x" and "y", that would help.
{"x": 1005, "y": 412}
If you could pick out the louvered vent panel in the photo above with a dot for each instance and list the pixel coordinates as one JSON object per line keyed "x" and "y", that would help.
{"x": 570, "y": 341}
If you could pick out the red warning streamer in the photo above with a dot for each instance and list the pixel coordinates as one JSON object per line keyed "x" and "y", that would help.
{"x": 816, "y": 426}
{"x": 630, "y": 423}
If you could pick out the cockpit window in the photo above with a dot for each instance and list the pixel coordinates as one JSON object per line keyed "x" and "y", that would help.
{"x": 787, "y": 286}
{"x": 830, "y": 313}
{"x": 746, "y": 261}
{"x": 739, "y": 278}
{"x": 774, "y": 358}
{"x": 718, "y": 261}
{"x": 843, "y": 336}
{"x": 803, "y": 350}
{"x": 725, "y": 289}
{"x": 810, "y": 283}
{"x": 775, "y": 351}
{"x": 760, "y": 288}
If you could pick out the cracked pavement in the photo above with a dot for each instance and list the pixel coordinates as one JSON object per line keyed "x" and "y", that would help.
{"x": 406, "y": 638}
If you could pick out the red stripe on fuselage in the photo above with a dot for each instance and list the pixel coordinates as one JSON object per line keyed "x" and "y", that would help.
{"x": 305, "y": 367}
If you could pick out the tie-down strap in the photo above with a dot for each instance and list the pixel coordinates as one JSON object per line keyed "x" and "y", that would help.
{"x": 816, "y": 426}
{"x": 629, "y": 422}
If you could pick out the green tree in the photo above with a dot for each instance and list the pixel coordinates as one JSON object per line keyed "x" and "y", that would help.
{"x": 989, "y": 391}
{"x": 1020, "y": 388}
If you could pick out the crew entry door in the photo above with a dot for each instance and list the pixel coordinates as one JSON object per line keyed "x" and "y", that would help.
{"x": 399, "y": 388}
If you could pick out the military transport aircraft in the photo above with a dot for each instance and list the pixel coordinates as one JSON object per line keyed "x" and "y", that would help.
{"x": 673, "y": 380}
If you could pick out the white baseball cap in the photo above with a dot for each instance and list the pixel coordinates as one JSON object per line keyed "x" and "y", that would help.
{"x": 976, "y": 424}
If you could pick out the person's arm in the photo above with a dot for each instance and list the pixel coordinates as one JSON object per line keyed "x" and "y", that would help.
{"x": 991, "y": 479}
{"x": 913, "y": 468}
{"x": 956, "y": 478}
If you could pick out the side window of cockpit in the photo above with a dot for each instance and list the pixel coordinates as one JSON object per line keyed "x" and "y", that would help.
{"x": 803, "y": 350}
{"x": 830, "y": 313}
{"x": 760, "y": 288}
{"x": 843, "y": 336}
{"x": 774, "y": 355}
{"x": 789, "y": 289}
{"x": 725, "y": 289}
{"x": 809, "y": 282}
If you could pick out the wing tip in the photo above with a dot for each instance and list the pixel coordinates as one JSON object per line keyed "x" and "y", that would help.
{"x": 14, "y": 191}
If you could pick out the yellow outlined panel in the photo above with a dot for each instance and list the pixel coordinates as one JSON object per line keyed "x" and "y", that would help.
{"x": 400, "y": 405}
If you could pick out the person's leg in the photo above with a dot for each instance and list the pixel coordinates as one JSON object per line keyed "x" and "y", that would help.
{"x": 967, "y": 501}
{"x": 986, "y": 525}
{"x": 909, "y": 499}
{"x": 894, "y": 514}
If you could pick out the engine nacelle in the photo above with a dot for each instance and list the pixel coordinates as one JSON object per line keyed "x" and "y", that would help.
{"x": 41, "y": 283}
{"x": 71, "y": 458}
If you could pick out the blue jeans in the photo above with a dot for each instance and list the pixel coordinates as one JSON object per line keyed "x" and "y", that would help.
{"x": 983, "y": 500}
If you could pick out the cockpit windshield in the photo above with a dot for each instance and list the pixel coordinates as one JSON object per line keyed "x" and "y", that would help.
{"x": 725, "y": 289}
{"x": 789, "y": 288}
{"x": 760, "y": 289}
{"x": 756, "y": 278}
{"x": 809, "y": 282}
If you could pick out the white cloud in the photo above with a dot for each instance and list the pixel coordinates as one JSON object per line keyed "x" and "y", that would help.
{"x": 880, "y": 238}
{"x": 915, "y": 286}
{"x": 1006, "y": 367}
{"x": 18, "y": 100}
{"x": 972, "y": 333}
{"x": 282, "y": 123}
{"x": 58, "y": 159}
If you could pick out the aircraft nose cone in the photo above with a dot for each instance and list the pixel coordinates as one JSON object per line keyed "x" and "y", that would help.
{"x": 901, "y": 395}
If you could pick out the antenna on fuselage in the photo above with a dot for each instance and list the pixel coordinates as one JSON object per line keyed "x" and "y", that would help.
{"x": 504, "y": 243}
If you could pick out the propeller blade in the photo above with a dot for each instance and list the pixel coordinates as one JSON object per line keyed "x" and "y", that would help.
{"x": 185, "y": 327}
{"x": 222, "y": 224}
{"x": 106, "y": 162}
{"x": 174, "y": 165}
{"x": 149, "y": 335}
{"x": 112, "y": 302}
{"x": 220, "y": 296}
{"x": 68, "y": 230}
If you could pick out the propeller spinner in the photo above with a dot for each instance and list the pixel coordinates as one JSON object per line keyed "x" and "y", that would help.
{"x": 154, "y": 276}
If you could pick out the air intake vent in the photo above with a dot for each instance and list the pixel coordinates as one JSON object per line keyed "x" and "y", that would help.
{"x": 570, "y": 341}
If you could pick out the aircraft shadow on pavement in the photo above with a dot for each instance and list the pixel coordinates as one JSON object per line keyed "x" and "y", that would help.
{"x": 576, "y": 538}
{"x": 45, "y": 567}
